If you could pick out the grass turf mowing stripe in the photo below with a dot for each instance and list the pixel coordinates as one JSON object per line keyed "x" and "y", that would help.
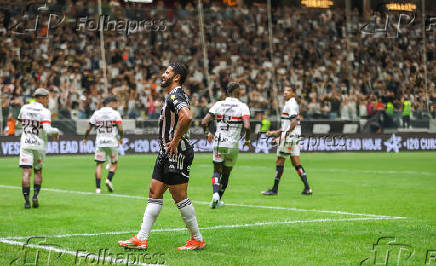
{"x": 229, "y": 226}
{"x": 207, "y": 203}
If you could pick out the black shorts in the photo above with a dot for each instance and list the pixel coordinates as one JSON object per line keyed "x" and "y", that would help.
{"x": 173, "y": 171}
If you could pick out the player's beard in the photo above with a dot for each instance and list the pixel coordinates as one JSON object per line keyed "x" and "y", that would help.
{"x": 167, "y": 82}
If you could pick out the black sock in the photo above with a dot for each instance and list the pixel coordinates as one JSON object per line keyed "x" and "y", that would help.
{"x": 224, "y": 182}
{"x": 110, "y": 175}
{"x": 36, "y": 188}
{"x": 279, "y": 173}
{"x": 216, "y": 182}
{"x": 97, "y": 182}
{"x": 26, "y": 192}
{"x": 302, "y": 174}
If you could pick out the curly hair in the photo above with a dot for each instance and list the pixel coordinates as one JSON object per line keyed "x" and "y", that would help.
{"x": 180, "y": 68}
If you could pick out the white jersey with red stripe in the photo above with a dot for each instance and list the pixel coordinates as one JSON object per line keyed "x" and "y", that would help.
{"x": 105, "y": 120}
{"x": 36, "y": 122}
{"x": 229, "y": 115}
{"x": 289, "y": 112}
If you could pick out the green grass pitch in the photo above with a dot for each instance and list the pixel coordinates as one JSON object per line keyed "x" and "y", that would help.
{"x": 375, "y": 195}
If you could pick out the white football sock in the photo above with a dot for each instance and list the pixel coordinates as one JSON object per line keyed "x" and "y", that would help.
{"x": 188, "y": 215}
{"x": 151, "y": 212}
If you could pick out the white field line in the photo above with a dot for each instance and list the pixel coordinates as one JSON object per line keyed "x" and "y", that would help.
{"x": 388, "y": 172}
{"x": 336, "y": 170}
{"x": 207, "y": 203}
{"x": 77, "y": 254}
{"x": 229, "y": 226}
{"x": 340, "y": 170}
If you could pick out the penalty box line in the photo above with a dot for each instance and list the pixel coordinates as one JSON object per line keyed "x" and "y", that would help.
{"x": 229, "y": 226}
{"x": 207, "y": 203}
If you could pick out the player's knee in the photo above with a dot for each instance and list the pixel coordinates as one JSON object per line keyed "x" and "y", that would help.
{"x": 179, "y": 196}
{"x": 280, "y": 161}
{"x": 154, "y": 193}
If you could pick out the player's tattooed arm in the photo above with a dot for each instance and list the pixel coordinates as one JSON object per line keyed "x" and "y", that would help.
{"x": 205, "y": 123}
{"x": 88, "y": 130}
{"x": 292, "y": 126}
{"x": 185, "y": 118}
{"x": 120, "y": 133}
{"x": 247, "y": 130}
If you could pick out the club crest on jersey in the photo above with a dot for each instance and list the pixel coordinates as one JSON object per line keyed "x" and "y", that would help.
{"x": 173, "y": 97}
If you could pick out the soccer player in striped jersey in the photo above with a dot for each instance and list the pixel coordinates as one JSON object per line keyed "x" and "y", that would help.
{"x": 108, "y": 124}
{"x": 231, "y": 117}
{"x": 173, "y": 164}
{"x": 288, "y": 139}
{"x": 36, "y": 122}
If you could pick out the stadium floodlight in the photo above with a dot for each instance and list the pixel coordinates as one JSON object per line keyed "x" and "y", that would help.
{"x": 317, "y": 3}
{"x": 401, "y": 6}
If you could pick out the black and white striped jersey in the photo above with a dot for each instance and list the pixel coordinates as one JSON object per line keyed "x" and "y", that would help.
{"x": 174, "y": 102}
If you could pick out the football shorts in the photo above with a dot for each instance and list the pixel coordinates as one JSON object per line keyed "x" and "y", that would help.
{"x": 32, "y": 158}
{"x": 102, "y": 153}
{"x": 175, "y": 170}
{"x": 226, "y": 156}
{"x": 290, "y": 147}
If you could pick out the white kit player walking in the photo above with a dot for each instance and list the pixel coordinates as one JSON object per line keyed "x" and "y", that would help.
{"x": 289, "y": 142}
{"x": 36, "y": 122}
{"x": 231, "y": 116}
{"x": 108, "y": 124}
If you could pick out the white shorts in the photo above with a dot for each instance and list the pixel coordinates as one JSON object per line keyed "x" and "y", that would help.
{"x": 32, "y": 158}
{"x": 101, "y": 153}
{"x": 226, "y": 156}
{"x": 289, "y": 148}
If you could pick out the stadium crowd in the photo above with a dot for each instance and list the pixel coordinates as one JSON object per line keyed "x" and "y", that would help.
{"x": 335, "y": 77}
